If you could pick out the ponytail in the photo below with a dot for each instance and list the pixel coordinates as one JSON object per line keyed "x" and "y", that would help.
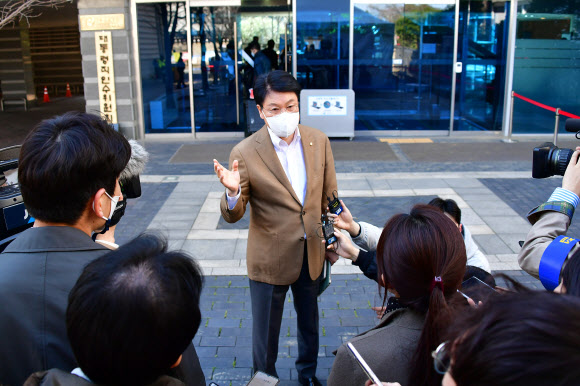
{"x": 422, "y": 256}
{"x": 439, "y": 314}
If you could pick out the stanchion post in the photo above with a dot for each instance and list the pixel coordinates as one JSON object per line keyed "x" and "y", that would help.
{"x": 511, "y": 123}
{"x": 556, "y": 126}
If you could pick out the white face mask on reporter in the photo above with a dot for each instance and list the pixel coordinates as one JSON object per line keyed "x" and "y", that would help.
{"x": 283, "y": 125}
{"x": 114, "y": 201}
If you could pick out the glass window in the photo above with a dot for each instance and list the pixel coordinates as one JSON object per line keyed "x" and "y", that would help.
{"x": 547, "y": 63}
{"x": 322, "y": 33}
{"x": 482, "y": 48}
{"x": 215, "y": 97}
{"x": 402, "y": 66}
{"x": 163, "y": 56}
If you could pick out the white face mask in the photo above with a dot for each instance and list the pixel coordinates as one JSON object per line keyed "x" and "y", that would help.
{"x": 283, "y": 125}
{"x": 114, "y": 201}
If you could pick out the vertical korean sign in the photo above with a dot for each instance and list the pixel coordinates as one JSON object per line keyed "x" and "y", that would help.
{"x": 106, "y": 75}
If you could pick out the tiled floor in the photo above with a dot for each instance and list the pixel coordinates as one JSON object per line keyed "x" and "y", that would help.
{"x": 190, "y": 216}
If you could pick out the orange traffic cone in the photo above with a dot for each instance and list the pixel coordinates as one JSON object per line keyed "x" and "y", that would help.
{"x": 46, "y": 98}
{"x": 68, "y": 94}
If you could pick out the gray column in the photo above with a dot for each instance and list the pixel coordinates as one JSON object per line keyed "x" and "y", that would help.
{"x": 123, "y": 65}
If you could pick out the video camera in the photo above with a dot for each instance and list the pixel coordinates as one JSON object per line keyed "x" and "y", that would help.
{"x": 14, "y": 217}
{"x": 549, "y": 159}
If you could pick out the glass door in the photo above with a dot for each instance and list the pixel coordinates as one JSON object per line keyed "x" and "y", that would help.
{"x": 215, "y": 68}
{"x": 163, "y": 57}
{"x": 402, "y": 64}
{"x": 482, "y": 48}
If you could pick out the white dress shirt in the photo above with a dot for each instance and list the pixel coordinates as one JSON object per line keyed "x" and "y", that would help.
{"x": 291, "y": 158}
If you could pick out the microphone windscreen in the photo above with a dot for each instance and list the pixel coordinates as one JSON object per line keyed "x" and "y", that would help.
{"x": 136, "y": 164}
{"x": 572, "y": 125}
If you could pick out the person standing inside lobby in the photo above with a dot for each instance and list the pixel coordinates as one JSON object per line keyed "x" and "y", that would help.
{"x": 285, "y": 172}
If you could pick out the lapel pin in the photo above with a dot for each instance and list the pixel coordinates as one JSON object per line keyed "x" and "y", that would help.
{"x": 310, "y": 143}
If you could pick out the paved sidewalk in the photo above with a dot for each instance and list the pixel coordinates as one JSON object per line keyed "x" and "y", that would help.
{"x": 190, "y": 217}
{"x": 223, "y": 342}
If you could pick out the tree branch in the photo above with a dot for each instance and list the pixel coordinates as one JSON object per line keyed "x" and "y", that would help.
{"x": 13, "y": 11}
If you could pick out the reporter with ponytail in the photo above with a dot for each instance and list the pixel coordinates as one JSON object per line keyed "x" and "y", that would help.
{"x": 421, "y": 261}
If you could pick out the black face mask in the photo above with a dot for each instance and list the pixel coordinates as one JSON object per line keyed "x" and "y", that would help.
{"x": 119, "y": 211}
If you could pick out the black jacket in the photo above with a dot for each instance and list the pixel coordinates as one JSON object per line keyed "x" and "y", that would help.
{"x": 37, "y": 272}
{"x": 262, "y": 64}
{"x": 55, "y": 377}
{"x": 367, "y": 262}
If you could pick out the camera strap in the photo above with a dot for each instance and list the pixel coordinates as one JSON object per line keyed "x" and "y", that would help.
{"x": 553, "y": 259}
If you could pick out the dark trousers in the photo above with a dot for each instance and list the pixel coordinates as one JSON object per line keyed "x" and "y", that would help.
{"x": 267, "y": 308}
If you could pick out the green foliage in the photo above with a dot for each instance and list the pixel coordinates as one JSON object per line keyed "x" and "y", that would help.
{"x": 265, "y": 27}
{"x": 408, "y": 32}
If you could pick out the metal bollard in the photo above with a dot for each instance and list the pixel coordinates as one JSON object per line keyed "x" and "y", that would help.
{"x": 510, "y": 127}
{"x": 556, "y": 126}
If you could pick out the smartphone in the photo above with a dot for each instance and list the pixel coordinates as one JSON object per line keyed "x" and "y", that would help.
{"x": 263, "y": 379}
{"x": 363, "y": 364}
{"x": 477, "y": 290}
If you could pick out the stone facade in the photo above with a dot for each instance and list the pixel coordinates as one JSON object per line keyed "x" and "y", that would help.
{"x": 123, "y": 64}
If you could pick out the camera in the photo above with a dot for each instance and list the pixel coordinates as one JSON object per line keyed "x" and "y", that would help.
{"x": 550, "y": 160}
{"x": 14, "y": 217}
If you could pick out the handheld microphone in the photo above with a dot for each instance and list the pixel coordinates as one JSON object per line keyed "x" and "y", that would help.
{"x": 129, "y": 178}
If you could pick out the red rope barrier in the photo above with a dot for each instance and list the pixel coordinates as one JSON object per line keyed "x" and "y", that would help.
{"x": 567, "y": 114}
{"x": 546, "y": 107}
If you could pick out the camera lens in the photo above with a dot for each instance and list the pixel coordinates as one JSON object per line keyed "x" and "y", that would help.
{"x": 559, "y": 160}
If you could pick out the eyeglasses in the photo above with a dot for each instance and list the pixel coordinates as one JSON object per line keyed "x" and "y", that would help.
{"x": 441, "y": 358}
{"x": 276, "y": 111}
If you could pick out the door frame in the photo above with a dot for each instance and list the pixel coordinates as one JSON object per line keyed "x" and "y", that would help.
{"x": 137, "y": 62}
{"x": 455, "y": 43}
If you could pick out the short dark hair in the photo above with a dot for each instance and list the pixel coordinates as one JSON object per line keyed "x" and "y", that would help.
{"x": 447, "y": 206}
{"x": 134, "y": 311}
{"x": 571, "y": 275}
{"x": 278, "y": 81}
{"x": 65, "y": 160}
{"x": 254, "y": 45}
{"x": 271, "y": 43}
{"x": 530, "y": 338}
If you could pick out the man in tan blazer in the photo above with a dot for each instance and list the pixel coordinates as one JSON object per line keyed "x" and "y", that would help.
{"x": 285, "y": 172}
{"x": 551, "y": 220}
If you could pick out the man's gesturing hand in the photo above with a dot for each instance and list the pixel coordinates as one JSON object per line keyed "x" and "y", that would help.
{"x": 571, "y": 180}
{"x": 229, "y": 179}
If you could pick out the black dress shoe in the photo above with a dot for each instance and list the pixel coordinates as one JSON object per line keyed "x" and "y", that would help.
{"x": 309, "y": 381}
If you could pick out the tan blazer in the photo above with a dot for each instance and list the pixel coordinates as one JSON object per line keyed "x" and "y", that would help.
{"x": 278, "y": 221}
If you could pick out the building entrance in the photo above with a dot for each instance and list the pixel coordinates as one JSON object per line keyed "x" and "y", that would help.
{"x": 196, "y": 64}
